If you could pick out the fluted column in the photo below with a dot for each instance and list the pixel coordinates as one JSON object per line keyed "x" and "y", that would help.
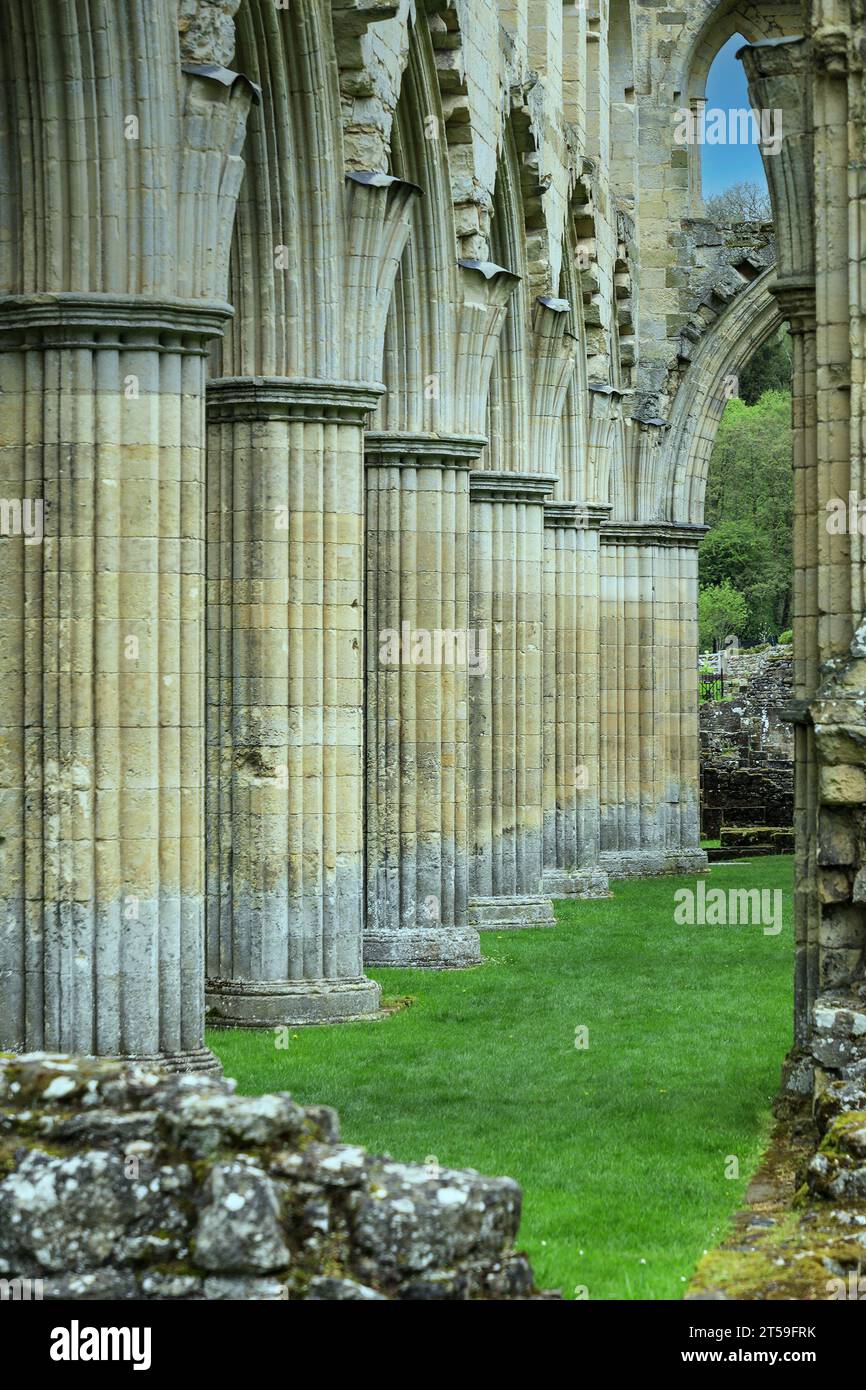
{"x": 422, "y": 656}
{"x": 285, "y": 736}
{"x": 425, "y": 654}
{"x": 649, "y": 701}
{"x": 505, "y": 702}
{"x": 119, "y": 172}
{"x": 103, "y": 677}
{"x": 571, "y": 700}
{"x": 286, "y": 602}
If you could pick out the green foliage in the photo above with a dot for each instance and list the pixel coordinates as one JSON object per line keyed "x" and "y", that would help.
{"x": 749, "y": 508}
{"x": 768, "y": 370}
{"x": 620, "y": 1147}
{"x": 787, "y": 636}
{"x": 722, "y": 610}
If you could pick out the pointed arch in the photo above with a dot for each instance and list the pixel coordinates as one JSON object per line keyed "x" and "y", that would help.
{"x": 747, "y": 323}
{"x": 508, "y": 403}
{"x": 287, "y": 255}
{"x": 418, "y": 368}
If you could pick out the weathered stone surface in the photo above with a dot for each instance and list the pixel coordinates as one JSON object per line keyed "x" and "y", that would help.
{"x": 838, "y": 1169}
{"x": 839, "y": 1036}
{"x": 207, "y": 31}
{"x": 747, "y": 756}
{"x": 547, "y": 338}
{"x": 229, "y": 1197}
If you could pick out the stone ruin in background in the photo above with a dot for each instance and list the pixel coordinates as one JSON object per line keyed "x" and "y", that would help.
{"x": 747, "y": 757}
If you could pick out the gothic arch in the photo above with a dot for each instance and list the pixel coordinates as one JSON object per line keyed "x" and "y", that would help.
{"x": 748, "y": 322}
{"x": 419, "y": 360}
{"x": 508, "y": 402}
{"x": 286, "y": 254}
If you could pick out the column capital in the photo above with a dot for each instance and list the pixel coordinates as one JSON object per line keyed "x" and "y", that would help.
{"x": 394, "y": 449}
{"x": 583, "y": 516}
{"x": 282, "y": 398}
{"x": 63, "y": 319}
{"x": 670, "y": 533}
{"x": 795, "y": 296}
{"x": 485, "y": 485}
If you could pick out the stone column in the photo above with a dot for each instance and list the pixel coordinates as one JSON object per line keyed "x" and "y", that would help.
{"x": 649, "y": 699}
{"x": 505, "y": 703}
{"x": 571, "y": 700}
{"x": 422, "y": 655}
{"x": 797, "y": 302}
{"x": 285, "y": 735}
{"x": 103, "y": 409}
{"x": 286, "y": 606}
{"x": 113, "y": 281}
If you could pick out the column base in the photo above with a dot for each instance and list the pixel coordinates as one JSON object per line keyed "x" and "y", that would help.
{"x": 202, "y": 1061}
{"x": 430, "y": 948}
{"x": 511, "y": 913}
{"x": 576, "y": 883}
{"x": 290, "y": 1003}
{"x": 646, "y": 863}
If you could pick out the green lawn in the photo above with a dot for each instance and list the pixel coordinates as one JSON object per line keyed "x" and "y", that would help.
{"x": 622, "y": 1146}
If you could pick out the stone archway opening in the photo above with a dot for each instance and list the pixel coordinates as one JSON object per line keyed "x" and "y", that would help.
{"x": 745, "y": 593}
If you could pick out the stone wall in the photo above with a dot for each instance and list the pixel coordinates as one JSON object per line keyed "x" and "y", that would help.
{"x": 124, "y": 1183}
{"x": 747, "y": 756}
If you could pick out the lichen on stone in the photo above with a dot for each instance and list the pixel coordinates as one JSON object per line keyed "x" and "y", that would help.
{"x": 159, "y": 1186}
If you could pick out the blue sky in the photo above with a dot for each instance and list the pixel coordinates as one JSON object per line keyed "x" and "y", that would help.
{"x": 722, "y": 165}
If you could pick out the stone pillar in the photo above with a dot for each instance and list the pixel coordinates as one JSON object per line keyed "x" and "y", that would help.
{"x": 285, "y": 736}
{"x": 779, "y": 77}
{"x": 103, "y": 422}
{"x": 797, "y": 302}
{"x": 286, "y": 604}
{"x": 505, "y": 703}
{"x": 423, "y": 654}
{"x": 649, "y": 701}
{"x": 571, "y": 700}
{"x": 118, "y": 182}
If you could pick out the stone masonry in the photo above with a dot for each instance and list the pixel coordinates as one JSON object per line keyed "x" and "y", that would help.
{"x": 747, "y": 756}
{"x": 120, "y": 1183}
{"x": 360, "y": 365}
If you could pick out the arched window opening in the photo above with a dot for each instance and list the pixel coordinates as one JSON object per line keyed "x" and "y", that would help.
{"x": 727, "y": 176}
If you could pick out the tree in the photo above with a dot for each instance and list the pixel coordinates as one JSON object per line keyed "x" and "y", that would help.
{"x": 749, "y": 508}
{"x": 769, "y": 369}
{"x": 722, "y": 611}
{"x": 742, "y": 202}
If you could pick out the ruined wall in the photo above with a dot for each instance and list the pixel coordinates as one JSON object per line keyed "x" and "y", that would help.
{"x": 747, "y": 756}
{"x": 121, "y": 1183}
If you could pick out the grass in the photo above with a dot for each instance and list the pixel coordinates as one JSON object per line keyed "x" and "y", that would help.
{"x": 622, "y": 1148}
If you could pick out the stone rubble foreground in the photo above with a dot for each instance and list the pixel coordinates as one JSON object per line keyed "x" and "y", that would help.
{"x": 122, "y": 1182}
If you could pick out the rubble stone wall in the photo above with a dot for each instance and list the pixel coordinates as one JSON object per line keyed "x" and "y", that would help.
{"x": 747, "y": 755}
{"x": 119, "y": 1182}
